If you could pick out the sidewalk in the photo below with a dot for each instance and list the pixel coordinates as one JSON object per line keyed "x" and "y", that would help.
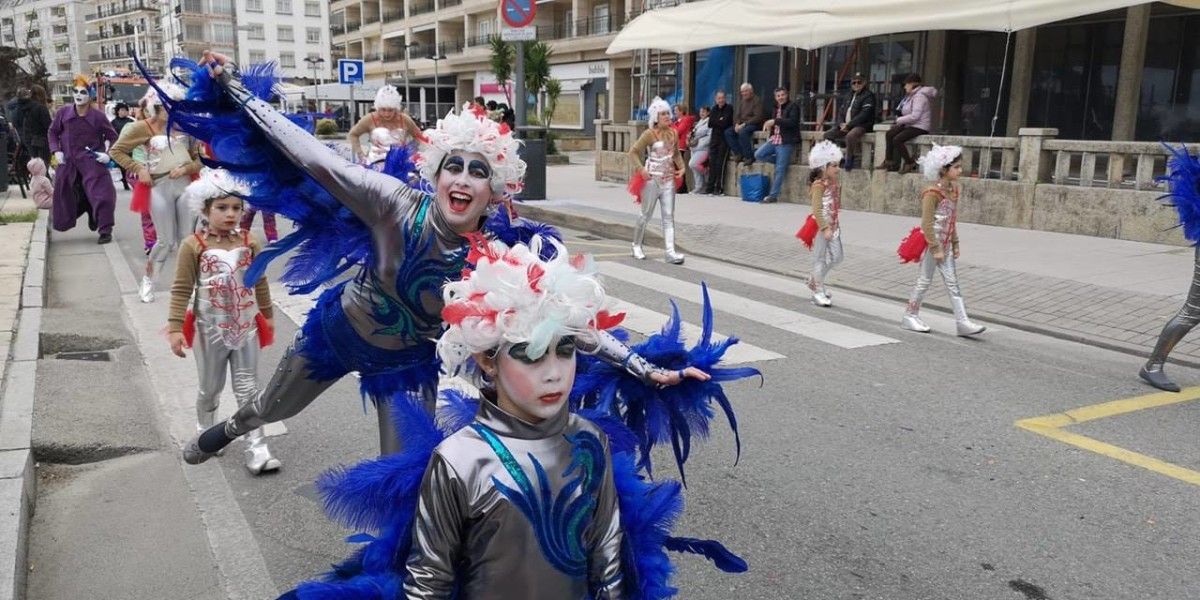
{"x": 1103, "y": 292}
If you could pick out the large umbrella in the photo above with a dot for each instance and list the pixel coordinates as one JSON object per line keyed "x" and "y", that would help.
{"x": 809, "y": 24}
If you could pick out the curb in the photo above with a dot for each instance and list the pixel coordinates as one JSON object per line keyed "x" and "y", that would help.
{"x": 18, "y": 481}
{"x": 624, "y": 231}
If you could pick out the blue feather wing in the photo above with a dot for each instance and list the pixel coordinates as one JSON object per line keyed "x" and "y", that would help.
{"x": 1183, "y": 190}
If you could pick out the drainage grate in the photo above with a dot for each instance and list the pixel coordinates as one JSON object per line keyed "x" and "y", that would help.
{"x": 590, "y": 238}
{"x": 92, "y": 356}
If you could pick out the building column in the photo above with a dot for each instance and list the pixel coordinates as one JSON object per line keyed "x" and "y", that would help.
{"x": 619, "y": 89}
{"x": 1129, "y": 78}
{"x": 934, "y": 72}
{"x": 687, "y": 73}
{"x": 1021, "y": 80}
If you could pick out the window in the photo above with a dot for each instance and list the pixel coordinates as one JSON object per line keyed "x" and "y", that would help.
{"x": 223, "y": 33}
{"x": 312, "y": 9}
{"x": 223, "y": 7}
{"x": 193, "y": 32}
{"x": 257, "y": 57}
{"x": 1169, "y": 105}
{"x": 254, "y": 31}
{"x": 284, "y": 34}
{"x": 254, "y": 6}
{"x": 1075, "y": 79}
{"x": 485, "y": 27}
{"x": 283, "y": 7}
{"x": 287, "y": 59}
{"x": 312, "y": 35}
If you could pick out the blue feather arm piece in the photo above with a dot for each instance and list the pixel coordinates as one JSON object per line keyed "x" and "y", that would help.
{"x": 674, "y": 413}
{"x": 329, "y": 239}
{"x": 1183, "y": 190}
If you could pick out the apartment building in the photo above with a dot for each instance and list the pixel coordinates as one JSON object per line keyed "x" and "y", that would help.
{"x": 53, "y": 28}
{"x": 436, "y": 52}
{"x": 295, "y": 33}
{"x": 116, "y": 29}
{"x": 192, "y": 26}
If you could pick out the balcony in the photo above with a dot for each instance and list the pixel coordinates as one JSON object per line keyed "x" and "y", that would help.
{"x": 451, "y": 3}
{"x": 393, "y": 14}
{"x": 337, "y": 29}
{"x": 104, "y": 12}
{"x": 481, "y": 40}
{"x": 421, "y": 7}
{"x": 450, "y": 47}
{"x": 352, "y": 26}
{"x": 372, "y": 57}
{"x": 604, "y": 25}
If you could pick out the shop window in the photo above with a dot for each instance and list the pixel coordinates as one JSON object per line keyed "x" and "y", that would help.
{"x": 1074, "y": 87}
{"x": 1169, "y": 106}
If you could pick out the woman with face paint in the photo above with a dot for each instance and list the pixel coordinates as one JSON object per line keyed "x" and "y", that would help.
{"x": 404, "y": 242}
{"x": 79, "y": 137}
{"x": 523, "y": 497}
{"x": 172, "y": 158}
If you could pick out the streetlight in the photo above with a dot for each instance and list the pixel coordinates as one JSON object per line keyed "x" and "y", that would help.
{"x": 407, "y": 73}
{"x": 313, "y": 61}
{"x": 435, "y": 57}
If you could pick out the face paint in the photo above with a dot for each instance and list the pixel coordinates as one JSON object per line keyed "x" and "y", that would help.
{"x": 535, "y": 389}
{"x": 81, "y": 96}
{"x": 464, "y": 189}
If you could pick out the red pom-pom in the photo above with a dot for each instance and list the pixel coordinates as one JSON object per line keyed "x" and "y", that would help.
{"x": 266, "y": 333}
{"x": 913, "y": 246}
{"x": 140, "y": 202}
{"x": 808, "y": 232}
{"x": 635, "y": 187}
{"x": 189, "y": 327}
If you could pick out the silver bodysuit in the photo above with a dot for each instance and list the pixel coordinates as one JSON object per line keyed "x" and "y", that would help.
{"x": 489, "y": 516}
{"x": 827, "y": 254}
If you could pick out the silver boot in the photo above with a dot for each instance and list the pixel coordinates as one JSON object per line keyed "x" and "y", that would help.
{"x": 961, "y": 321}
{"x": 639, "y": 234}
{"x": 258, "y": 455}
{"x": 672, "y": 256}
{"x": 146, "y": 290}
{"x": 912, "y": 322}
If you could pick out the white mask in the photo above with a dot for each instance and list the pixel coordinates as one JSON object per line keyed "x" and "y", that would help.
{"x": 81, "y": 96}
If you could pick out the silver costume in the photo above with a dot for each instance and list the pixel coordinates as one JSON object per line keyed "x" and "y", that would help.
{"x": 1172, "y": 333}
{"x": 827, "y": 254}
{"x": 660, "y": 190}
{"x": 384, "y": 321}
{"x": 227, "y": 340}
{"x": 169, "y": 211}
{"x": 485, "y": 514}
{"x": 945, "y": 237}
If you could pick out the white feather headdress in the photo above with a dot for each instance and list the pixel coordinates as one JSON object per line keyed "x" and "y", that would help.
{"x": 823, "y": 153}
{"x": 213, "y": 183}
{"x": 657, "y": 107}
{"x": 937, "y": 157}
{"x": 388, "y": 97}
{"x": 473, "y": 131}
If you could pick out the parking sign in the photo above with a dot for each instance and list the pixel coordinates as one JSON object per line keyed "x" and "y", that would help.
{"x": 350, "y": 71}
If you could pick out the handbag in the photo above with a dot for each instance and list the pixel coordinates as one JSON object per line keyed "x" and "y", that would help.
{"x": 808, "y": 231}
{"x": 754, "y": 186}
{"x": 912, "y": 247}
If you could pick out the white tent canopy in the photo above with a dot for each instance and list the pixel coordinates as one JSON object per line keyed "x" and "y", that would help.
{"x": 810, "y": 24}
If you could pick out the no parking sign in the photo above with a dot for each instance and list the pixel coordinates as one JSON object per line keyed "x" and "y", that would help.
{"x": 517, "y": 13}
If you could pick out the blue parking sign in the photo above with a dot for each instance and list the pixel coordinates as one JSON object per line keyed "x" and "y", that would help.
{"x": 350, "y": 71}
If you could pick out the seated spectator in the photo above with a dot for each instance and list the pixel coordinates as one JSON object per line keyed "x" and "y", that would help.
{"x": 699, "y": 142}
{"x": 747, "y": 119}
{"x": 860, "y": 118}
{"x": 916, "y": 119}
{"x": 784, "y": 133}
{"x": 683, "y": 123}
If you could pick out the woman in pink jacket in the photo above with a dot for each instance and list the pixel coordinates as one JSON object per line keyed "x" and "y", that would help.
{"x": 916, "y": 118}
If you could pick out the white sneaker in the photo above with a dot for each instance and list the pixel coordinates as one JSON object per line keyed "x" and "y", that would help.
{"x": 638, "y": 253}
{"x": 913, "y": 323}
{"x": 146, "y": 290}
{"x": 259, "y": 459}
{"x": 820, "y": 299}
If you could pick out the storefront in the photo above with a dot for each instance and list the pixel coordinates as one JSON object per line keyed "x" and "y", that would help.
{"x": 583, "y": 98}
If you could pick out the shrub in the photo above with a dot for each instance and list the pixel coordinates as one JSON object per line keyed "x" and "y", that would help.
{"x": 327, "y": 127}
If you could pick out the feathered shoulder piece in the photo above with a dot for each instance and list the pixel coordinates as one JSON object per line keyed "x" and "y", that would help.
{"x": 1183, "y": 190}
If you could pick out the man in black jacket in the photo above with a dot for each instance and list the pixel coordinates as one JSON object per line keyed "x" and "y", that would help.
{"x": 784, "y": 133}
{"x": 121, "y": 110}
{"x": 720, "y": 118}
{"x": 860, "y": 118}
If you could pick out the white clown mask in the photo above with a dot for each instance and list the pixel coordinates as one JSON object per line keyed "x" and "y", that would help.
{"x": 81, "y": 96}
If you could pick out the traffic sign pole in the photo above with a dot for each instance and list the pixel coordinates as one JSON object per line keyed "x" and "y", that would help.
{"x": 519, "y": 75}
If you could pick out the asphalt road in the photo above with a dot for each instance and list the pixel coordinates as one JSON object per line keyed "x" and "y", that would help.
{"x": 868, "y": 470}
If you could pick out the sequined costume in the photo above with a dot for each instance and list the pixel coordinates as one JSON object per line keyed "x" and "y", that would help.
{"x": 1183, "y": 177}
{"x": 223, "y": 326}
{"x": 939, "y": 223}
{"x": 827, "y": 253}
{"x": 378, "y": 323}
{"x": 663, "y": 162}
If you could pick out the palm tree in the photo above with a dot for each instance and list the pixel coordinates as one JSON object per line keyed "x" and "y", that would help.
{"x": 537, "y": 66}
{"x": 501, "y": 63}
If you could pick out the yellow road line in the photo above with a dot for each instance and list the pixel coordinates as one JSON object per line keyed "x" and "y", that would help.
{"x": 1051, "y": 426}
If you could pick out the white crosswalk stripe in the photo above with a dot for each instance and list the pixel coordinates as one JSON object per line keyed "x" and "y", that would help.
{"x": 646, "y": 322}
{"x": 780, "y": 318}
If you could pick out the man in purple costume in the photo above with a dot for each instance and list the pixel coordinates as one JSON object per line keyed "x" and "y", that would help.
{"x": 82, "y": 183}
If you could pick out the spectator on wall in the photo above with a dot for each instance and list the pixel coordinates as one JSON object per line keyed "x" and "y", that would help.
{"x": 861, "y": 111}
{"x": 783, "y": 132}
{"x": 747, "y": 120}
{"x": 916, "y": 119}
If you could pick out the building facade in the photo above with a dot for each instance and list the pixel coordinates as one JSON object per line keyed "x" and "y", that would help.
{"x": 55, "y": 29}
{"x": 116, "y": 29}
{"x": 192, "y": 26}
{"x": 295, "y": 33}
{"x": 437, "y": 53}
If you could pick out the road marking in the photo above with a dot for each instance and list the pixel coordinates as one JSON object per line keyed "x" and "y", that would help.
{"x": 874, "y": 307}
{"x": 647, "y": 322}
{"x": 760, "y": 312}
{"x": 1052, "y": 426}
{"x": 243, "y": 570}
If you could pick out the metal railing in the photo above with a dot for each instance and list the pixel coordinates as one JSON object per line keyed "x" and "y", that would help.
{"x": 421, "y": 7}
{"x": 104, "y": 12}
{"x": 393, "y": 14}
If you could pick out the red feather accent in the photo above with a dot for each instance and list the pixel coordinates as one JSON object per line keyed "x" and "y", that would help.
{"x": 912, "y": 247}
{"x": 140, "y": 202}
{"x": 535, "y": 274}
{"x": 578, "y": 261}
{"x": 479, "y": 248}
{"x": 453, "y": 314}
{"x": 189, "y": 327}
{"x": 808, "y": 232}
{"x": 266, "y": 333}
{"x": 604, "y": 320}
{"x": 504, "y": 129}
{"x": 635, "y": 187}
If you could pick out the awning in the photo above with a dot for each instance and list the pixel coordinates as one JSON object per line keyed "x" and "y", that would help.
{"x": 810, "y": 24}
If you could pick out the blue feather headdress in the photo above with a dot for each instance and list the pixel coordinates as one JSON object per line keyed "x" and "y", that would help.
{"x": 1183, "y": 190}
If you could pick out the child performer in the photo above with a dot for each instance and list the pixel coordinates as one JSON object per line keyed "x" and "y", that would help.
{"x": 663, "y": 164}
{"x": 826, "y": 195}
{"x": 228, "y": 322}
{"x": 942, "y": 165}
{"x": 524, "y": 498}
{"x": 40, "y": 186}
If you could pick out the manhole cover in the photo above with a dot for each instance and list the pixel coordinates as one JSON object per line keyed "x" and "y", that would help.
{"x": 590, "y": 238}
{"x": 92, "y": 356}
